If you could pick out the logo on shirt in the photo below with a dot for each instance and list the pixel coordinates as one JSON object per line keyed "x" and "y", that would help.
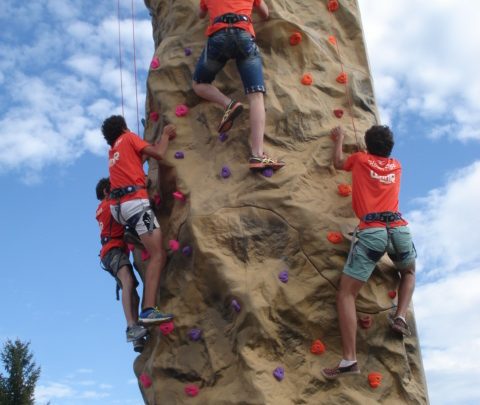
{"x": 115, "y": 159}
{"x": 388, "y": 179}
{"x": 388, "y": 166}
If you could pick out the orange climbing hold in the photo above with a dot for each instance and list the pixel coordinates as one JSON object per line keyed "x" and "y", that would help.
{"x": 332, "y": 5}
{"x": 317, "y": 347}
{"x": 365, "y": 322}
{"x": 392, "y": 294}
{"x": 332, "y": 40}
{"x": 335, "y": 237}
{"x": 342, "y": 78}
{"x": 295, "y": 38}
{"x": 307, "y": 79}
{"x": 344, "y": 190}
{"x": 375, "y": 379}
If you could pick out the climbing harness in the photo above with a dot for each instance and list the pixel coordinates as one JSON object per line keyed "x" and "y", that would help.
{"x": 118, "y": 193}
{"x": 231, "y": 18}
{"x": 386, "y": 216}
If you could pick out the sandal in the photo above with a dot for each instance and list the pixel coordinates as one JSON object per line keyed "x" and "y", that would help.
{"x": 400, "y": 326}
{"x": 264, "y": 162}
{"x": 333, "y": 373}
{"x": 232, "y": 111}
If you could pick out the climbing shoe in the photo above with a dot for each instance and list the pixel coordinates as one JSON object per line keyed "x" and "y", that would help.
{"x": 400, "y": 326}
{"x": 151, "y": 316}
{"x": 232, "y": 111}
{"x": 333, "y": 373}
{"x": 139, "y": 345}
{"x": 264, "y": 162}
{"x": 135, "y": 332}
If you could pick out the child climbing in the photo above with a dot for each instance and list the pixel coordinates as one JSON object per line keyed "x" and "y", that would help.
{"x": 376, "y": 186}
{"x": 231, "y": 36}
{"x": 115, "y": 260}
{"x": 132, "y": 207}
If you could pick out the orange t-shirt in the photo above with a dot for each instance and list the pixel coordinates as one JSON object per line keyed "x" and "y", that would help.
{"x": 126, "y": 166}
{"x": 109, "y": 228}
{"x": 375, "y": 186}
{"x": 217, "y": 8}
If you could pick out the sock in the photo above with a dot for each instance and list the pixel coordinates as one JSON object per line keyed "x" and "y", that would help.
{"x": 402, "y": 318}
{"x": 346, "y": 363}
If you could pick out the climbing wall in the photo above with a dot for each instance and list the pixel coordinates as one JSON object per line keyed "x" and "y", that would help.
{"x": 255, "y": 258}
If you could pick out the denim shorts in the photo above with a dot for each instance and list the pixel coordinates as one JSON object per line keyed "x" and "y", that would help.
{"x": 370, "y": 246}
{"x": 232, "y": 43}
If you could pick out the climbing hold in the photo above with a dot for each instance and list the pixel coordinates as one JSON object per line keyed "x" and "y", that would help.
{"x": 268, "y": 172}
{"x": 179, "y": 155}
{"x": 392, "y": 294}
{"x": 130, "y": 247}
{"x": 178, "y": 195}
{"x": 143, "y": 122}
{"x": 344, "y": 190}
{"x": 365, "y": 322}
{"x": 374, "y": 379}
{"x": 174, "y": 245}
{"x": 317, "y": 347}
{"x": 145, "y": 255}
{"x": 195, "y": 334}
{"x": 154, "y": 116}
{"x": 191, "y": 390}
{"x": 225, "y": 173}
{"x": 283, "y": 276}
{"x": 145, "y": 380}
{"x": 307, "y": 79}
{"x": 157, "y": 200}
{"x": 236, "y": 305}
{"x": 181, "y": 110}
{"x": 295, "y": 38}
{"x": 279, "y": 373}
{"x": 223, "y": 136}
{"x": 332, "y": 40}
{"x": 335, "y": 237}
{"x": 187, "y": 251}
{"x": 155, "y": 63}
{"x": 332, "y": 5}
{"x": 188, "y": 51}
{"x": 166, "y": 328}
{"x": 342, "y": 78}
{"x": 338, "y": 113}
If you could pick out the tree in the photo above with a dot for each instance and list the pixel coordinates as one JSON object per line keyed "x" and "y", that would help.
{"x": 18, "y": 385}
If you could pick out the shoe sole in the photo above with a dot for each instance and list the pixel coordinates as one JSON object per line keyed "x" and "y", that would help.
{"x": 228, "y": 124}
{"x": 261, "y": 166}
{"x": 340, "y": 375}
{"x": 132, "y": 339}
{"x": 398, "y": 329}
{"x": 154, "y": 321}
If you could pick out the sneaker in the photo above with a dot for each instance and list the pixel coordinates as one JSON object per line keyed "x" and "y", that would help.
{"x": 136, "y": 332}
{"x": 232, "y": 111}
{"x": 264, "y": 162}
{"x": 153, "y": 315}
{"x": 139, "y": 345}
{"x": 400, "y": 326}
{"x": 333, "y": 373}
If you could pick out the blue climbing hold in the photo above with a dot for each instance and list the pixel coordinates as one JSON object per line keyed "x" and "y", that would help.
{"x": 195, "y": 334}
{"x": 179, "y": 155}
{"x": 187, "y": 251}
{"x": 225, "y": 173}
{"x": 223, "y": 136}
{"x": 283, "y": 276}
{"x": 268, "y": 172}
{"x": 188, "y": 51}
{"x": 236, "y": 305}
{"x": 279, "y": 373}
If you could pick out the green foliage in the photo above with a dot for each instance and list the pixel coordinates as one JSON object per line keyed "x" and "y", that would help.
{"x": 17, "y": 386}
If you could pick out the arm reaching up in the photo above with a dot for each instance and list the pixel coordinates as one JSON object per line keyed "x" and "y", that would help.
{"x": 337, "y": 137}
{"x": 158, "y": 150}
{"x": 262, "y": 9}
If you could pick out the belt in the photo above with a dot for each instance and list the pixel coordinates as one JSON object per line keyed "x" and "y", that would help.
{"x": 117, "y": 193}
{"x": 386, "y": 216}
{"x": 231, "y": 18}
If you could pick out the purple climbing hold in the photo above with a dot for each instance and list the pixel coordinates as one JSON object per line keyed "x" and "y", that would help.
{"x": 187, "y": 251}
{"x": 223, "y": 136}
{"x": 195, "y": 334}
{"x": 179, "y": 155}
{"x": 283, "y": 276}
{"x": 225, "y": 173}
{"x": 188, "y": 51}
{"x": 236, "y": 305}
{"x": 279, "y": 373}
{"x": 268, "y": 172}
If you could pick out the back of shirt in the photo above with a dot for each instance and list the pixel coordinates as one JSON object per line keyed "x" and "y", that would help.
{"x": 109, "y": 228}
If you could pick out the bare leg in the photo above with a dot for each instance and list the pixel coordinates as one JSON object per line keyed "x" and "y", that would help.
{"x": 405, "y": 290}
{"x": 129, "y": 296}
{"x": 211, "y": 93}
{"x": 153, "y": 243}
{"x": 257, "y": 122}
{"x": 347, "y": 314}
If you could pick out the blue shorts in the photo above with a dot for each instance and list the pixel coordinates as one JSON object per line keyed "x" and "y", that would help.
{"x": 232, "y": 43}
{"x": 373, "y": 243}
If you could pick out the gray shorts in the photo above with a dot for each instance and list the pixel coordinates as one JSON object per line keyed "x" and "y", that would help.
{"x": 373, "y": 243}
{"x": 137, "y": 214}
{"x": 113, "y": 261}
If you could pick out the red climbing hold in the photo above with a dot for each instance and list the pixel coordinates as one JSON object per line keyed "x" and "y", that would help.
{"x": 295, "y": 38}
{"x": 155, "y": 63}
{"x": 317, "y": 347}
{"x": 174, "y": 245}
{"x": 332, "y": 5}
{"x": 392, "y": 294}
{"x": 344, "y": 190}
{"x": 342, "y": 78}
{"x": 307, "y": 79}
{"x": 374, "y": 379}
{"x": 191, "y": 390}
{"x": 338, "y": 112}
{"x": 365, "y": 322}
{"x": 145, "y": 255}
{"x": 154, "y": 116}
{"x": 335, "y": 237}
{"x": 332, "y": 40}
{"x": 181, "y": 110}
{"x": 166, "y": 328}
{"x": 178, "y": 195}
{"x": 145, "y": 380}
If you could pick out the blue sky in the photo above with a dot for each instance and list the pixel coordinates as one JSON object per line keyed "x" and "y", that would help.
{"x": 59, "y": 78}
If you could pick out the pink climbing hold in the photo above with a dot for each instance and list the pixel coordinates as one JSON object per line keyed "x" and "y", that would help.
{"x": 155, "y": 63}
{"x": 166, "y": 328}
{"x": 174, "y": 245}
{"x": 154, "y": 116}
{"x": 181, "y": 110}
{"x": 365, "y": 322}
{"x": 178, "y": 195}
{"x": 191, "y": 390}
{"x": 157, "y": 200}
{"x": 145, "y": 380}
{"x": 145, "y": 255}
{"x": 338, "y": 112}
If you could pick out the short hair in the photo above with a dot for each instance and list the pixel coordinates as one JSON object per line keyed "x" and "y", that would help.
{"x": 113, "y": 127}
{"x": 379, "y": 140}
{"x": 103, "y": 184}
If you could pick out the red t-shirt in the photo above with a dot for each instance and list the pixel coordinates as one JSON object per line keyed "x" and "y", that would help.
{"x": 216, "y": 8}
{"x": 375, "y": 186}
{"x": 126, "y": 166}
{"x": 109, "y": 228}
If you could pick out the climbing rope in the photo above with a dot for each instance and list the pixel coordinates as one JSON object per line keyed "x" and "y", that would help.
{"x": 135, "y": 65}
{"x": 120, "y": 53}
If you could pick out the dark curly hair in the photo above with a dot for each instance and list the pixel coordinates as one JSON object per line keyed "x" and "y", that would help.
{"x": 103, "y": 184}
{"x": 113, "y": 127}
{"x": 379, "y": 140}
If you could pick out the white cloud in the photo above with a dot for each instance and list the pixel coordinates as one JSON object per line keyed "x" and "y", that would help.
{"x": 44, "y": 393}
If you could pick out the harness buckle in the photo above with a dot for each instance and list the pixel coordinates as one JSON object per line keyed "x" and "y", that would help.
{"x": 231, "y": 18}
